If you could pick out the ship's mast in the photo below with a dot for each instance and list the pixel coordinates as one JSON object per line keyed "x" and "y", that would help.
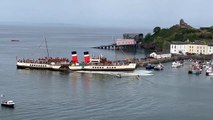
{"x": 46, "y": 47}
{"x": 116, "y": 57}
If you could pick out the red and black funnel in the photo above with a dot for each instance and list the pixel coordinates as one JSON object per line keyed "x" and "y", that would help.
{"x": 86, "y": 57}
{"x": 74, "y": 57}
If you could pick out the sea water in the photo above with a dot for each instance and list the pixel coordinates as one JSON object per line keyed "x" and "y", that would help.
{"x": 171, "y": 94}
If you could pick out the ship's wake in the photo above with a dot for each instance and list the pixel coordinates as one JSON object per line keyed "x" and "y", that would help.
{"x": 121, "y": 74}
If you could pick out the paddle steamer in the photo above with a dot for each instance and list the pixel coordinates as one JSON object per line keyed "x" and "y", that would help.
{"x": 102, "y": 64}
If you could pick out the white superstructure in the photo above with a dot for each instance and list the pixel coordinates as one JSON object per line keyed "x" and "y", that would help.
{"x": 42, "y": 64}
{"x": 124, "y": 67}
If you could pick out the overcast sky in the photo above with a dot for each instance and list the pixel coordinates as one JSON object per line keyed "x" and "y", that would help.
{"x": 108, "y": 13}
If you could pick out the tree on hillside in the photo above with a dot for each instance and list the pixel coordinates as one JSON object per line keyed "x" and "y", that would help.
{"x": 156, "y": 30}
{"x": 179, "y": 37}
{"x": 210, "y": 30}
{"x": 159, "y": 41}
{"x": 147, "y": 37}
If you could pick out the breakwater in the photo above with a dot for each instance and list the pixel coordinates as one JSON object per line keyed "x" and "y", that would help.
{"x": 144, "y": 61}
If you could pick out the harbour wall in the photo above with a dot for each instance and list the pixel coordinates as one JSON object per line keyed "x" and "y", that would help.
{"x": 144, "y": 61}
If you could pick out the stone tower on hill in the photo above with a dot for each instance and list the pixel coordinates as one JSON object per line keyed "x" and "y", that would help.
{"x": 183, "y": 24}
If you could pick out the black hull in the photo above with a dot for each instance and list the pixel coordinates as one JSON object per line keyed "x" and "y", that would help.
{"x": 43, "y": 68}
{"x": 38, "y": 68}
{"x": 149, "y": 68}
{"x": 108, "y": 69}
{"x": 157, "y": 69}
{"x": 66, "y": 68}
{"x": 9, "y": 106}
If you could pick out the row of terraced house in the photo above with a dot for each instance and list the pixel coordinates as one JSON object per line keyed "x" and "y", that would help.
{"x": 191, "y": 48}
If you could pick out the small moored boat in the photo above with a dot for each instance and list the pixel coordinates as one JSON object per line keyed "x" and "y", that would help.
{"x": 8, "y": 103}
{"x": 209, "y": 71}
{"x": 14, "y": 40}
{"x": 159, "y": 67}
{"x": 176, "y": 64}
{"x": 118, "y": 75}
{"x": 195, "y": 70}
{"x": 149, "y": 66}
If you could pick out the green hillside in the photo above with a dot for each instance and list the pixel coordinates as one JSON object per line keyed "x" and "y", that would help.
{"x": 161, "y": 38}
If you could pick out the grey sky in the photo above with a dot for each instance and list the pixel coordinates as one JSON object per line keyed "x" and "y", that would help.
{"x": 109, "y": 13}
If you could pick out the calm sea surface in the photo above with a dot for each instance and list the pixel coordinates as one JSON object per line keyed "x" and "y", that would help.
{"x": 170, "y": 94}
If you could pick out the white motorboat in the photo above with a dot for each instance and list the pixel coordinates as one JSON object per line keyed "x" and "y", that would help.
{"x": 176, "y": 64}
{"x": 8, "y": 103}
{"x": 209, "y": 71}
{"x": 159, "y": 67}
